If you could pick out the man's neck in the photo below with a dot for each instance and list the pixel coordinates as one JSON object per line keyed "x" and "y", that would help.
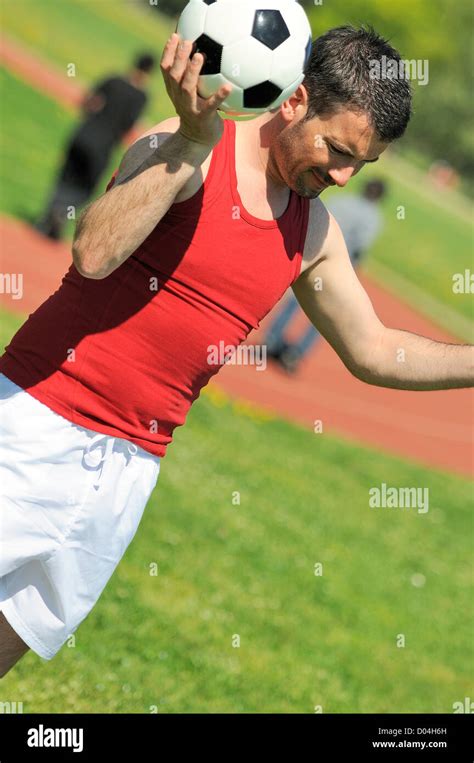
{"x": 135, "y": 80}
{"x": 258, "y": 135}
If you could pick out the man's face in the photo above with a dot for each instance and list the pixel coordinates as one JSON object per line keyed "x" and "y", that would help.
{"x": 323, "y": 151}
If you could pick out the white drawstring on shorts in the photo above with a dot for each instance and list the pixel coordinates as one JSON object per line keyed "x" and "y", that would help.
{"x": 100, "y": 449}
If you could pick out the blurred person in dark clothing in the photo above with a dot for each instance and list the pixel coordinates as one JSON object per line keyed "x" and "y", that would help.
{"x": 361, "y": 222}
{"x": 110, "y": 110}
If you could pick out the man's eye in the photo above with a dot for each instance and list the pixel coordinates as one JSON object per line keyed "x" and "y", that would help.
{"x": 335, "y": 150}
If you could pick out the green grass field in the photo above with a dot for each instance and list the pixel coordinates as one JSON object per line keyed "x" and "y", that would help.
{"x": 165, "y": 642}
{"x": 32, "y": 148}
{"x": 123, "y": 29}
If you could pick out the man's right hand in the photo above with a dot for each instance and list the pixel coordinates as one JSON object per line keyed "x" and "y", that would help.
{"x": 199, "y": 120}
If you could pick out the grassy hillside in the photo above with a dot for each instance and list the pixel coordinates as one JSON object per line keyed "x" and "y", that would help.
{"x": 247, "y": 569}
{"x": 98, "y": 37}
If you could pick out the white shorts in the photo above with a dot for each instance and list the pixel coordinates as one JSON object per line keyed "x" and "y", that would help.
{"x": 71, "y": 501}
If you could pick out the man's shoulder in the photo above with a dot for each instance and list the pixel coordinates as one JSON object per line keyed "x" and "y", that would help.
{"x": 320, "y": 223}
{"x": 122, "y": 84}
{"x": 112, "y": 80}
{"x": 320, "y": 216}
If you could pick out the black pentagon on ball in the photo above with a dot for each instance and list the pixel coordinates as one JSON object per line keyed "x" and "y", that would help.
{"x": 209, "y": 2}
{"x": 269, "y": 28}
{"x": 260, "y": 96}
{"x": 212, "y": 54}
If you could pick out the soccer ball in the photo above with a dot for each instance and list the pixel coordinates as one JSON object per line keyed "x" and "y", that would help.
{"x": 260, "y": 47}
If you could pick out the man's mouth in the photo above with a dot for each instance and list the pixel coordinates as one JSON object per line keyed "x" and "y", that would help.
{"x": 321, "y": 182}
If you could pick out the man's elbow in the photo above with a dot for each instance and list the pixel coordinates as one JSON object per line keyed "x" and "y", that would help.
{"x": 87, "y": 267}
{"x": 364, "y": 374}
{"x": 365, "y": 366}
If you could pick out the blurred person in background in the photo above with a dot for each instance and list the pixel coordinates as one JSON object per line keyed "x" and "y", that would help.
{"x": 361, "y": 222}
{"x": 443, "y": 175}
{"x": 109, "y": 111}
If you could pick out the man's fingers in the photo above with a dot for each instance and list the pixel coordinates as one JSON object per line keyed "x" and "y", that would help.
{"x": 219, "y": 97}
{"x": 191, "y": 75}
{"x": 180, "y": 60}
{"x": 169, "y": 52}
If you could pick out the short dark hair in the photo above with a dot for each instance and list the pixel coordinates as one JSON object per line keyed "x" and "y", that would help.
{"x": 339, "y": 72}
{"x": 145, "y": 62}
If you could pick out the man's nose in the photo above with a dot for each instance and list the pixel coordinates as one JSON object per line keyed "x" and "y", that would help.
{"x": 341, "y": 175}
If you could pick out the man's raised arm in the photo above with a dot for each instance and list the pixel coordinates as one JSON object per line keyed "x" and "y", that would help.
{"x": 153, "y": 171}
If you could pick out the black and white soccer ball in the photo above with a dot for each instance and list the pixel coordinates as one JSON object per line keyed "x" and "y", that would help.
{"x": 260, "y": 47}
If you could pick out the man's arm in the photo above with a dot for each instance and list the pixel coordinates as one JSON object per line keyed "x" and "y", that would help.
{"x": 338, "y": 306}
{"x": 92, "y": 103}
{"x": 94, "y": 100}
{"x": 410, "y": 361}
{"x": 151, "y": 176}
{"x": 152, "y": 173}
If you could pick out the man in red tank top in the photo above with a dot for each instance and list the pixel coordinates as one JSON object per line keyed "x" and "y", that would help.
{"x": 201, "y": 231}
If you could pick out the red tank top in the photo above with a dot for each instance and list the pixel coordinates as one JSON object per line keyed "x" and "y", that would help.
{"x": 128, "y": 354}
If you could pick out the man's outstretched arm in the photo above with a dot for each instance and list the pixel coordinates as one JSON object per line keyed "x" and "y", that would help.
{"x": 409, "y": 361}
{"x": 338, "y": 306}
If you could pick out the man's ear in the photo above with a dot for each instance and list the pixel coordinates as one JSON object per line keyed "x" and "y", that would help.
{"x": 296, "y": 106}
